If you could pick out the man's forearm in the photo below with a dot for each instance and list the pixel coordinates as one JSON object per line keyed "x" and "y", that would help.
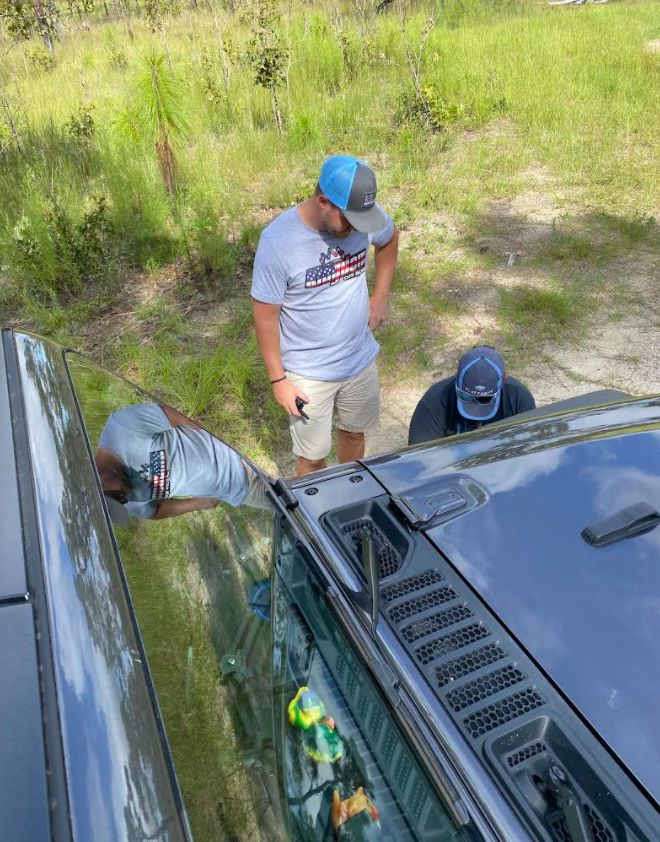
{"x": 385, "y": 260}
{"x": 172, "y": 508}
{"x": 267, "y": 327}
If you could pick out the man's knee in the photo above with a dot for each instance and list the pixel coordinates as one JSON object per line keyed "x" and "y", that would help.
{"x": 349, "y": 436}
{"x": 306, "y": 466}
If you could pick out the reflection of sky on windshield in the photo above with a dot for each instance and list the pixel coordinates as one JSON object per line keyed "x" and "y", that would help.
{"x": 113, "y": 789}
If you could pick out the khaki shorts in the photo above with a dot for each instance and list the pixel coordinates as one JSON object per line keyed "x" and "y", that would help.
{"x": 354, "y": 402}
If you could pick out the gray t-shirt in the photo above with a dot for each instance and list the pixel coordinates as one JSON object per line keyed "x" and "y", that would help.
{"x": 164, "y": 461}
{"x": 321, "y": 282}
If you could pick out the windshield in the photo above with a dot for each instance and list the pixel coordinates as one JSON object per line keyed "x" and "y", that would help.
{"x": 347, "y": 766}
{"x": 276, "y": 727}
{"x": 194, "y": 533}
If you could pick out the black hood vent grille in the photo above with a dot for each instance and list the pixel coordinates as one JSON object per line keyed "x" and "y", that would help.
{"x": 484, "y": 687}
{"x": 503, "y": 710}
{"x": 458, "y": 639}
{"x": 410, "y": 585}
{"x": 466, "y": 664}
{"x": 526, "y": 753}
{"x": 432, "y": 599}
{"x": 599, "y": 831}
{"x": 437, "y": 622}
{"x": 389, "y": 560}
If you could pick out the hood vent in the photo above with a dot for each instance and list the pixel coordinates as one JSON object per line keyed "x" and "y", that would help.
{"x": 408, "y": 586}
{"x": 389, "y": 560}
{"x": 526, "y": 753}
{"x": 466, "y": 664}
{"x": 436, "y": 623}
{"x": 458, "y": 639}
{"x": 349, "y": 525}
{"x": 432, "y": 599}
{"x": 483, "y": 687}
{"x": 503, "y": 710}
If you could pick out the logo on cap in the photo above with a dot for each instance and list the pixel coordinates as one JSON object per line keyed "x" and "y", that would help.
{"x": 368, "y": 199}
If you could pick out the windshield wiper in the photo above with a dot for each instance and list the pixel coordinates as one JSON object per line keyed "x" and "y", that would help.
{"x": 370, "y": 561}
{"x": 556, "y": 788}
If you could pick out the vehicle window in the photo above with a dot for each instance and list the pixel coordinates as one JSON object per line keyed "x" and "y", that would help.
{"x": 349, "y": 772}
{"x": 200, "y": 582}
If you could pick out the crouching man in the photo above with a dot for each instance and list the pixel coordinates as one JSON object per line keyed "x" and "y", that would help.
{"x": 479, "y": 393}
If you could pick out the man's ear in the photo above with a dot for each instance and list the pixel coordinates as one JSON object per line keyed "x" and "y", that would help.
{"x": 323, "y": 200}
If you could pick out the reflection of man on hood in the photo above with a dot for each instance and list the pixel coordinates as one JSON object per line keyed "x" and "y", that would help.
{"x": 149, "y": 454}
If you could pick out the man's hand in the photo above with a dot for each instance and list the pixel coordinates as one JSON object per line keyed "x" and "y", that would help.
{"x": 378, "y": 308}
{"x": 286, "y": 393}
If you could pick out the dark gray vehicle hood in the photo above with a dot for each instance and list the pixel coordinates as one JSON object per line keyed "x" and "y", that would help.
{"x": 589, "y": 617}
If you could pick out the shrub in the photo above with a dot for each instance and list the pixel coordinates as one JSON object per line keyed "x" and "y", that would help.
{"x": 40, "y": 58}
{"x": 58, "y": 255}
{"x": 427, "y": 107}
{"x": 81, "y": 127}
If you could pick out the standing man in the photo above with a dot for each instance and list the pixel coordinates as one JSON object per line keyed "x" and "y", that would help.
{"x": 313, "y": 315}
{"x": 480, "y": 393}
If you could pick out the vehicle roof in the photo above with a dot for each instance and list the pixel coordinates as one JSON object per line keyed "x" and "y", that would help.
{"x": 23, "y": 795}
{"x": 81, "y": 744}
{"x": 589, "y": 617}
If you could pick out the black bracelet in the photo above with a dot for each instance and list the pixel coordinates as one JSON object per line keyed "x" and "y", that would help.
{"x": 279, "y": 380}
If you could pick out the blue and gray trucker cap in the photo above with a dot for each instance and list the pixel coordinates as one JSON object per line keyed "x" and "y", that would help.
{"x": 351, "y": 185}
{"x": 479, "y": 382}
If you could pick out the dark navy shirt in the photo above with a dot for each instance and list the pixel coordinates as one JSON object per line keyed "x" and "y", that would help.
{"x": 437, "y": 415}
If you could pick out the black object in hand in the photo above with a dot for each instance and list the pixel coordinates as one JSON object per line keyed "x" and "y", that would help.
{"x": 299, "y": 406}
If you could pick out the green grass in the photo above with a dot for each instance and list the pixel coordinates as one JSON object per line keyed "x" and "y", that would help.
{"x": 529, "y": 315}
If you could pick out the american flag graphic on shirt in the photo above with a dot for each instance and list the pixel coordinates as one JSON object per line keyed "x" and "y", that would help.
{"x": 156, "y": 473}
{"x": 336, "y": 266}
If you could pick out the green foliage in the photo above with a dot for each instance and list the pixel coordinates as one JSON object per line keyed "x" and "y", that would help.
{"x": 12, "y": 122}
{"x": 117, "y": 57}
{"x": 304, "y": 131}
{"x": 158, "y": 101}
{"x": 40, "y": 58}
{"x": 157, "y": 12}
{"x": 214, "y": 78}
{"x": 212, "y": 256}
{"x": 18, "y": 18}
{"x": 81, "y": 127}
{"x": 157, "y": 114}
{"x": 57, "y": 254}
{"x": 268, "y": 55}
{"x": 427, "y": 107}
{"x": 530, "y": 314}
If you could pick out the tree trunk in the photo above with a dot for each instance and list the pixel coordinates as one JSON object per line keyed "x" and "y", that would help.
{"x": 43, "y": 26}
{"x": 167, "y": 163}
{"x": 277, "y": 113}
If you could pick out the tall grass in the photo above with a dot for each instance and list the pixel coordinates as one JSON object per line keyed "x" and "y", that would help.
{"x": 505, "y": 86}
{"x": 579, "y": 89}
